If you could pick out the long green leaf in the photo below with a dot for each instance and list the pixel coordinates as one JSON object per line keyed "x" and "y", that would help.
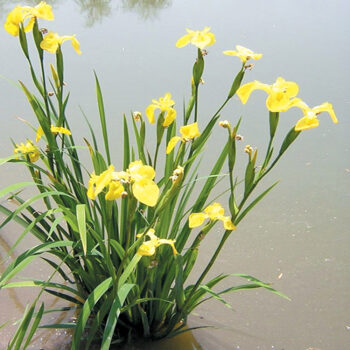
{"x": 114, "y": 315}
{"x": 35, "y": 325}
{"x": 102, "y": 118}
{"x": 82, "y": 225}
{"x": 15, "y": 187}
{"x": 215, "y": 295}
{"x": 89, "y": 304}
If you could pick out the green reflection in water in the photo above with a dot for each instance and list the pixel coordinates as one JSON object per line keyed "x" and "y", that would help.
{"x": 146, "y": 8}
{"x": 96, "y": 10}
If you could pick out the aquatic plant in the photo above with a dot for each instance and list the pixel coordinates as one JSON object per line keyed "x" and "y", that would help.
{"x": 124, "y": 238}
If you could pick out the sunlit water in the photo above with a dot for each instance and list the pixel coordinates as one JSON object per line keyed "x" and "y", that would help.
{"x": 298, "y": 238}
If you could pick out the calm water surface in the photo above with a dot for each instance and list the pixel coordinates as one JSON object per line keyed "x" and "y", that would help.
{"x": 298, "y": 238}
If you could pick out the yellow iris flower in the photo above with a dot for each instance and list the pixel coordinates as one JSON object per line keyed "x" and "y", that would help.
{"x": 281, "y": 94}
{"x": 213, "y": 212}
{"x": 20, "y": 14}
{"x": 198, "y": 38}
{"x": 54, "y": 130}
{"x": 188, "y": 133}
{"x": 148, "y": 248}
{"x": 310, "y": 120}
{"x": 52, "y": 41}
{"x": 144, "y": 189}
{"x": 165, "y": 104}
{"x": 29, "y": 149}
{"x": 243, "y": 53}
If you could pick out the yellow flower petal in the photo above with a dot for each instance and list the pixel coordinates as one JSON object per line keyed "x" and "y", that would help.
{"x": 309, "y": 120}
{"x": 43, "y": 10}
{"x": 147, "y": 248}
{"x": 52, "y": 41}
{"x": 21, "y": 14}
{"x": 98, "y": 182}
{"x": 170, "y": 117}
{"x": 60, "y": 130}
{"x": 326, "y": 107}
{"x": 228, "y": 224}
{"x": 167, "y": 241}
{"x": 28, "y": 149}
{"x": 243, "y": 53}
{"x": 39, "y": 134}
{"x": 14, "y": 18}
{"x": 115, "y": 191}
{"x": 196, "y": 219}
{"x": 172, "y": 143}
{"x": 245, "y": 90}
{"x": 139, "y": 171}
{"x": 190, "y": 131}
{"x": 76, "y": 45}
{"x": 183, "y": 41}
{"x": 306, "y": 123}
{"x": 214, "y": 211}
{"x": 146, "y": 191}
{"x": 198, "y": 38}
{"x": 150, "y": 113}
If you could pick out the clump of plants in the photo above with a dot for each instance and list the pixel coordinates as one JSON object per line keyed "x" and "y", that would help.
{"x": 125, "y": 237}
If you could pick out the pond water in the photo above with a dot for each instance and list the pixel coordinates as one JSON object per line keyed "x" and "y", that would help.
{"x": 298, "y": 238}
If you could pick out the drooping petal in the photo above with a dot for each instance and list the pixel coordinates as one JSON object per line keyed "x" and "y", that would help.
{"x": 39, "y": 134}
{"x": 170, "y": 117}
{"x": 91, "y": 186}
{"x": 306, "y": 123}
{"x": 60, "y": 130}
{"x": 76, "y": 45}
{"x": 150, "y": 113}
{"x": 228, "y": 224}
{"x": 75, "y": 42}
{"x": 167, "y": 241}
{"x": 52, "y": 41}
{"x": 146, "y": 191}
{"x": 190, "y": 131}
{"x": 183, "y": 41}
{"x": 196, "y": 219}
{"x": 172, "y": 143}
{"x": 245, "y": 90}
{"x": 115, "y": 191}
{"x": 326, "y": 107}
{"x": 214, "y": 211}
{"x": 98, "y": 182}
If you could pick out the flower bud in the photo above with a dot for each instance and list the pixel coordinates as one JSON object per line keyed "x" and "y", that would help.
{"x": 137, "y": 116}
{"x": 248, "y": 149}
{"x": 225, "y": 124}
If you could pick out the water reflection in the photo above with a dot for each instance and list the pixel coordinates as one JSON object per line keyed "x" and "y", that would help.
{"x": 146, "y": 9}
{"x": 95, "y": 11}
